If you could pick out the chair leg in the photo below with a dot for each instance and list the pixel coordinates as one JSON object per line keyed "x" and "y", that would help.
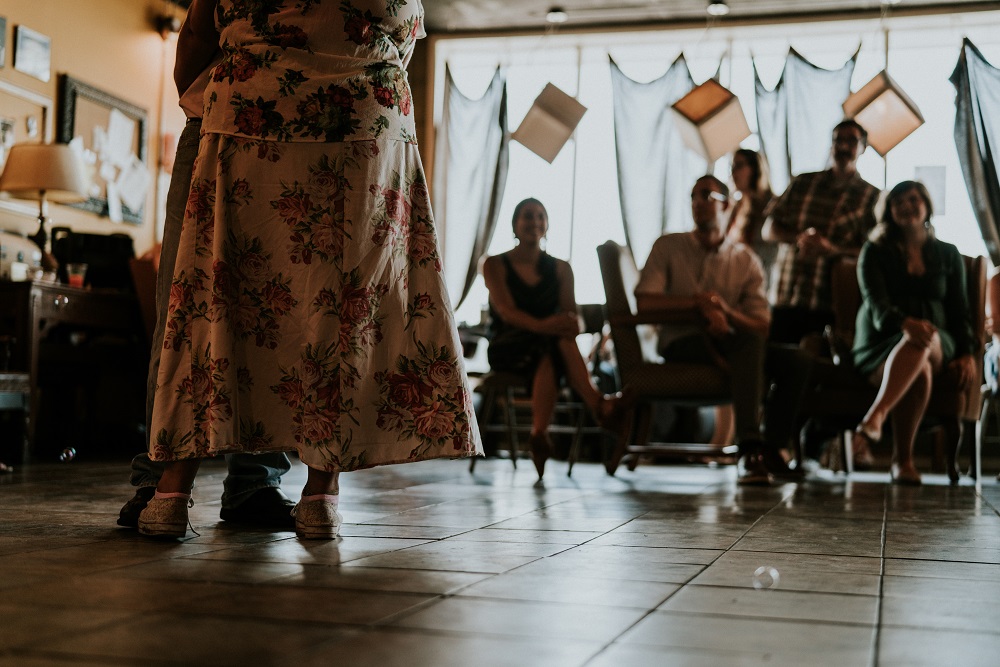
{"x": 574, "y": 449}
{"x": 953, "y": 430}
{"x": 643, "y": 430}
{"x": 846, "y": 452}
{"x": 621, "y": 445}
{"x": 510, "y": 420}
{"x": 489, "y": 405}
{"x": 976, "y": 469}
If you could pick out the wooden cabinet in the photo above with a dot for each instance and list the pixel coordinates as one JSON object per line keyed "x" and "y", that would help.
{"x": 85, "y": 352}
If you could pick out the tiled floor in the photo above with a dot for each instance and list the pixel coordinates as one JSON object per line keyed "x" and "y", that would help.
{"x": 438, "y": 567}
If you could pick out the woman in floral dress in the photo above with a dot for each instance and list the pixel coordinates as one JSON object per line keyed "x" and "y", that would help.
{"x": 307, "y": 308}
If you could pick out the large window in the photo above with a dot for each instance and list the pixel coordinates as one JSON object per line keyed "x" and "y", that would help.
{"x": 580, "y": 187}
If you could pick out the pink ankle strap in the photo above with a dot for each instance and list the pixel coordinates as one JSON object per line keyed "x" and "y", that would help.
{"x": 171, "y": 495}
{"x": 333, "y": 500}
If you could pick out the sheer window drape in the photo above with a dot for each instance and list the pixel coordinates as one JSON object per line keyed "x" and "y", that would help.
{"x": 655, "y": 169}
{"x": 796, "y": 119}
{"x": 471, "y": 157}
{"x": 977, "y": 137}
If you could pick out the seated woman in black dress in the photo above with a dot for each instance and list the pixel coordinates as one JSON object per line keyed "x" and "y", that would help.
{"x": 534, "y": 329}
{"x": 914, "y": 320}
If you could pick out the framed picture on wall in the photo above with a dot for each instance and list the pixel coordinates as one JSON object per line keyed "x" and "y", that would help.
{"x": 32, "y": 53}
{"x": 3, "y": 41}
{"x": 111, "y": 135}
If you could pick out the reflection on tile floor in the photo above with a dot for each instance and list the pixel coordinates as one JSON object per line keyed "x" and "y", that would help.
{"x": 438, "y": 567}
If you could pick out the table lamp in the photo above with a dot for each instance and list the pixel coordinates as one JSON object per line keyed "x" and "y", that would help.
{"x": 44, "y": 173}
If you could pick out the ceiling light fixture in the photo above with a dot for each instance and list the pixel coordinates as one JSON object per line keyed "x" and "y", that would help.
{"x": 717, "y": 8}
{"x": 556, "y": 15}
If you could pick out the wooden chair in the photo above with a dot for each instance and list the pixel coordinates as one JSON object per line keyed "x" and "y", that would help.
{"x": 842, "y": 396}
{"x": 644, "y": 371}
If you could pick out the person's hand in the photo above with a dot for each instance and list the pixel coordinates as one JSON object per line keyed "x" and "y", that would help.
{"x": 564, "y": 325}
{"x": 813, "y": 244}
{"x": 919, "y": 332}
{"x": 713, "y": 308}
{"x": 965, "y": 367}
{"x": 710, "y": 300}
{"x": 717, "y": 324}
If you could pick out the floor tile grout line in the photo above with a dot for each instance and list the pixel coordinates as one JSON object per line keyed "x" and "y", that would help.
{"x": 454, "y": 593}
{"x": 876, "y": 641}
{"x": 688, "y": 581}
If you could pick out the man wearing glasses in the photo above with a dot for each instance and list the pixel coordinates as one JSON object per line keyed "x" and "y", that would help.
{"x": 702, "y": 271}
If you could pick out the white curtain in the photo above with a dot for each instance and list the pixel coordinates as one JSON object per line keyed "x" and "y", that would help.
{"x": 796, "y": 119}
{"x": 655, "y": 169}
{"x": 469, "y": 178}
{"x": 977, "y": 137}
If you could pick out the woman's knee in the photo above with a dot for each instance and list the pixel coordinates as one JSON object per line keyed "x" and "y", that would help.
{"x": 917, "y": 353}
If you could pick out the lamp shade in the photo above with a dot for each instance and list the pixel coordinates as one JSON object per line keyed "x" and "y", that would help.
{"x": 710, "y": 120}
{"x": 885, "y": 111}
{"x": 549, "y": 123}
{"x": 44, "y": 171}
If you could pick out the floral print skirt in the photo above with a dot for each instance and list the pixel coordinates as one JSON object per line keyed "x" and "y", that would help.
{"x": 308, "y": 311}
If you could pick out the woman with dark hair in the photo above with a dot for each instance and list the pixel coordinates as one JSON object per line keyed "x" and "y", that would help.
{"x": 752, "y": 196}
{"x": 534, "y": 327}
{"x": 751, "y": 181}
{"x": 914, "y": 320}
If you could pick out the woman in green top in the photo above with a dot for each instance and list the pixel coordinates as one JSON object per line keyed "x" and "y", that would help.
{"x": 914, "y": 320}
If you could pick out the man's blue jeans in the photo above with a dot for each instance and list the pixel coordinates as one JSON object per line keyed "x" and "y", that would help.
{"x": 247, "y": 472}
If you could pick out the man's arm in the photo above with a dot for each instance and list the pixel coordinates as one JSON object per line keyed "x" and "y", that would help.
{"x": 740, "y": 321}
{"x": 197, "y": 43}
{"x": 650, "y": 301}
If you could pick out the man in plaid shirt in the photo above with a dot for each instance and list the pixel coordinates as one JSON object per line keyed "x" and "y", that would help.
{"x": 820, "y": 216}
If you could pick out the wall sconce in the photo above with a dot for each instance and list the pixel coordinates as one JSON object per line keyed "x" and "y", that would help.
{"x": 44, "y": 173}
{"x": 549, "y": 123}
{"x": 710, "y": 120}
{"x": 885, "y": 111}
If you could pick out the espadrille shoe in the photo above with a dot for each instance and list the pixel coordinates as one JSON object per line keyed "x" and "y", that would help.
{"x": 316, "y": 520}
{"x": 165, "y": 517}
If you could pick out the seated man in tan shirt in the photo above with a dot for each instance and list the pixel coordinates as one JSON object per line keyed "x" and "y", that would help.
{"x": 723, "y": 281}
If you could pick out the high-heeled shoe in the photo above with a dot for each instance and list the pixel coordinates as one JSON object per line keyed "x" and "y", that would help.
{"x": 541, "y": 450}
{"x": 861, "y": 447}
{"x": 905, "y": 475}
